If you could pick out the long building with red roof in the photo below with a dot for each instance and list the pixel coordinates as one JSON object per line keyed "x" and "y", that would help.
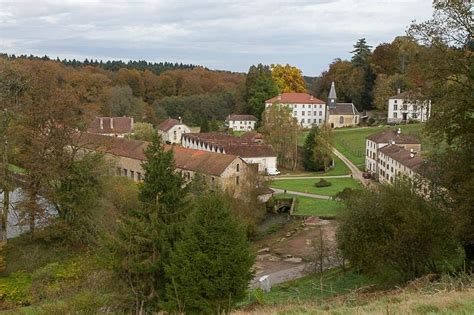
{"x": 218, "y": 170}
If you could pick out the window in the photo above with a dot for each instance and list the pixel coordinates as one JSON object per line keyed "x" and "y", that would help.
{"x": 237, "y": 180}
{"x": 395, "y": 107}
{"x": 341, "y": 120}
{"x": 125, "y": 172}
{"x": 132, "y": 175}
{"x": 368, "y": 152}
{"x": 314, "y": 121}
{"x": 139, "y": 176}
{"x": 302, "y": 113}
{"x": 395, "y": 102}
{"x": 320, "y": 120}
{"x": 320, "y": 113}
{"x": 174, "y": 134}
{"x": 303, "y": 105}
{"x": 295, "y": 113}
{"x": 315, "y": 113}
{"x": 356, "y": 118}
{"x": 238, "y": 167}
{"x": 405, "y": 107}
{"x": 415, "y": 108}
{"x": 414, "y": 115}
{"x": 394, "y": 115}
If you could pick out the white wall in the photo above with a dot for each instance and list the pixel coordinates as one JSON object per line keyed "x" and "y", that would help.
{"x": 174, "y": 134}
{"x": 242, "y": 125}
{"x": 414, "y": 111}
{"x": 264, "y": 163}
{"x": 307, "y": 114}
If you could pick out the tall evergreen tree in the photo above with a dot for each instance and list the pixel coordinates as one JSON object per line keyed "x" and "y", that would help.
{"x": 147, "y": 235}
{"x": 210, "y": 267}
{"x": 308, "y": 157}
{"x": 259, "y": 86}
{"x": 362, "y": 59}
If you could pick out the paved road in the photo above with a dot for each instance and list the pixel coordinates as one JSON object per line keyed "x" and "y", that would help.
{"x": 310, "y": 177}
{"x": 356, "y": 173}
{"x": 282, "y": 191}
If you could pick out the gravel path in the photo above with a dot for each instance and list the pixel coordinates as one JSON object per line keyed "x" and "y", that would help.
{"x": 282, "y": 191}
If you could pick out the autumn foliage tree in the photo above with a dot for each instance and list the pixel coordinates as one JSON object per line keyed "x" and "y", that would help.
{"x": 281, "y": 131}
{"x": 288, "y": 78}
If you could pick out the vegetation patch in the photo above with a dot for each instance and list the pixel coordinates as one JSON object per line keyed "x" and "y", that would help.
{"x": 322, "y": 183}
{"x": 306, "y": 185}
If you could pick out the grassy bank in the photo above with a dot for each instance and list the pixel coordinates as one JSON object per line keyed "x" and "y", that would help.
{"x": 307, "y": 185}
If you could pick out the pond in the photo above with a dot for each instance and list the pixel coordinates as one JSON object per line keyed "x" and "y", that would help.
{"x": 15, "y": 227}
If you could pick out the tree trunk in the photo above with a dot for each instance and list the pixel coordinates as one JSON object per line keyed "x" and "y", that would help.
{"x": 4, "y": 214}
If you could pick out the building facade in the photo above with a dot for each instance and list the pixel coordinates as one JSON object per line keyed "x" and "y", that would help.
{"x": 252, "y": 152}
{"x": 341, "y": 114}
{"x": 241, "y": 122}
{"x": 225, "y": 171}
{"x": 111, "y": 126}
{"x": 307, "y": 109}
{"x": 404, "y": 107}
{"x": 171, "y": 130}
{"x": 375, "y": 142}
{"x": 395, "y": 162}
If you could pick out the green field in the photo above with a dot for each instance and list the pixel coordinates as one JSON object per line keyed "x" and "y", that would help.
{"x": 351, "y": 141}
{"x": 307, "y": 185}
{"x": 314, "y": 207}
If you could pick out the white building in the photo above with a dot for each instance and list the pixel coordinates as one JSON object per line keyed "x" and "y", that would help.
{"x": 261, "y": 155}
{"x": 241, "y": 122}
{"x": 404, "y": 107}
{"x": 376, "y": 142}
{"x": 307, "y": 109}
{"x": 395, "y": 162}
{"x": 171, "y": 130}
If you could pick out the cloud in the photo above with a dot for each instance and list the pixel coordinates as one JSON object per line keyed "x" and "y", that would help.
{"x": 225, "y": 34}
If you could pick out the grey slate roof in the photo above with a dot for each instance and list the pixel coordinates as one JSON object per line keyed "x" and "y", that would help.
{"x": 332, "y": 92}
{"x": 344, "y": 109}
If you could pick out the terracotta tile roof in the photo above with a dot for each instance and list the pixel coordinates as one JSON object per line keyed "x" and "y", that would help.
{"x": 168, "y": 124}
{"x": 252, "y": 136}
{"x": 344, "y": 109}
{"x": 235, "y": 117}
{"x": 232, "y": 145}
{"x": 402, "y": 156}
{"x": 295, "y": 98}
{"x": 186, "y": 159}
{"x": 202, "y": 161}
{"x": 111, "y": 125}
{"x": 392, "y": 135}
{"x": 406, "y": 95}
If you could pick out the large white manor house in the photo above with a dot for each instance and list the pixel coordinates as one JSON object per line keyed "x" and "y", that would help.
{"x": 404, "y": 107}
{"x": 309, "y": 110}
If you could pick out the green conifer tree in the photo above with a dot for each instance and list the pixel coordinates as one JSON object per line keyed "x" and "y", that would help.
{"x": 209, "y": 270}
{"x": 308, "y": 148}
{"x": 146, "y": 236}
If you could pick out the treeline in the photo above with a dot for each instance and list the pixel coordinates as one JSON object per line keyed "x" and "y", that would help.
{"x": 372, "y": 76}
{"x": 146, "y": 96}
{"x": 111, "y": 65}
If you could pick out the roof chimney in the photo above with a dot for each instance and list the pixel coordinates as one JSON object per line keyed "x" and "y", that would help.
{"x": 411, "y": 150}
{"x": 180, "y": 121}
{"x": 399, "y": 90}
{"x": 412, "y": 155}
{"x": 101, "y": 123}
{"x": 111, "y": 123}
{"x": 311, "y": 97}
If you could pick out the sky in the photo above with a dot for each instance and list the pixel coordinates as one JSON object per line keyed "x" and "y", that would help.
{"x": 218, "y": 34}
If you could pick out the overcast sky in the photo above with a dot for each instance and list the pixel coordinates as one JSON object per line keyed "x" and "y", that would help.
{"x": 219, "y": 34}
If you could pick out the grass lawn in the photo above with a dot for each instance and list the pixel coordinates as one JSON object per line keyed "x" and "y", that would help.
{"x": 307, "y": 185}
{"x": 351, "y": 141}
{"x": 339, "y": 169}
{"x": 314, "y": 207}
{"x": 334, "y": 283}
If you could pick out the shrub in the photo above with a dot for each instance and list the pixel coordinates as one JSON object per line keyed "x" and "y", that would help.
{"x": 392, "y": 229}
{"x": 323, "y": 183}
